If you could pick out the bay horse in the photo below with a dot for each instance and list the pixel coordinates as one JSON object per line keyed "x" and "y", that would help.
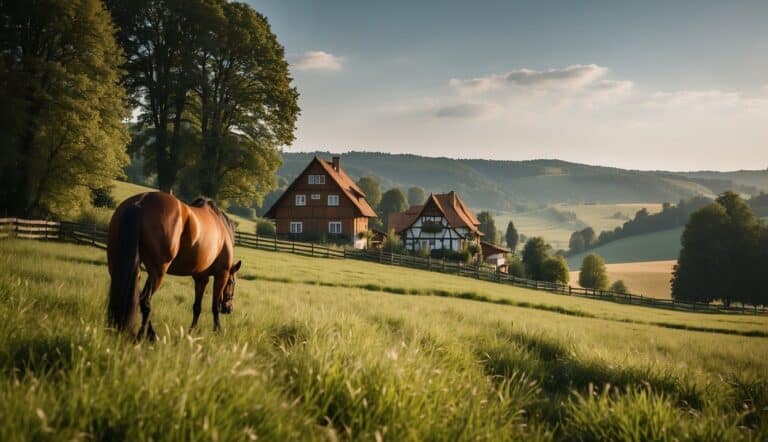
{"x": 168, "y": 237}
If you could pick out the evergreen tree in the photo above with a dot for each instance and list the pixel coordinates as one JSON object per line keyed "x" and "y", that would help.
{"x": 512, "y": 236}
{"x": 61, "y": 125}
{"x": 488, "y": 227}
{"x": 593, "y": 274}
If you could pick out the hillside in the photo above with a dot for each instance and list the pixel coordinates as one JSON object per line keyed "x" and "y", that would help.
{"x": 307, "y": 357}
{"x": 513, "y": 185}
{"x": 657, "y": 246}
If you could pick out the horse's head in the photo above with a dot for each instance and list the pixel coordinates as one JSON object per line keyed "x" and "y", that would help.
{"x": 229, "y": 290}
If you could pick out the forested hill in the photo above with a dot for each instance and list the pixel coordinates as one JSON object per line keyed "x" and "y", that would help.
{"x": 503, "y": 185}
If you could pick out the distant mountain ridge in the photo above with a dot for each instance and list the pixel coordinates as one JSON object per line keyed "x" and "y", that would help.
{"x": 508, "y": 185}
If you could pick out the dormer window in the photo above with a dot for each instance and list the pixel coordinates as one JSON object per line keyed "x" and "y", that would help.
{"x": 316, "y": 179}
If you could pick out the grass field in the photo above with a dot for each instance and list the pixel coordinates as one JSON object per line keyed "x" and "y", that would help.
{"x": 650, "y": 278}
{"x": 323, "y": 349}
{"x": 557, "y": 232}
{"x": 657, "y": 246}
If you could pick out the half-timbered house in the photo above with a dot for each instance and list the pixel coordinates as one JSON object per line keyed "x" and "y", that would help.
{"x": 442, "y": 222}
{"x": 322, "y": 201}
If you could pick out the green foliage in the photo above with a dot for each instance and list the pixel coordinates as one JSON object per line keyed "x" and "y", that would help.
{"x": 593, "y": 274}
{"x": 371, "y": 188}
{"x": 581, "y": 240}
{"x": 619, "y": 286}
{"x": 535, "y": 252}
{"x": 61, "y": 124}
{"x": 392, "y": 201}
{"x": 102, "y": 197}
{"x": 214, "y": 93}
{"x": 516, "y": 267}
{"x": 488, "y": 227}
{"x": 555, "y": 269}
{"x": 416, "y": 196}
{"x": 392, "y": 242}
{"x": 265, "y": 227}
{"x": 511, "y": 236}
{"x": 424, "y": 252}
{"x": 722, "y": 258}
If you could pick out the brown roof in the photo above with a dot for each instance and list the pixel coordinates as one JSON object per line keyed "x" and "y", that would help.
{"x": 492, "y": 249}
{"x": 351, "y": 190}
{"x": 449, "y": 204}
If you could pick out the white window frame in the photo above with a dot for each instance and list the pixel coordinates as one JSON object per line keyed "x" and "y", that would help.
{"x": 315, "y": 196}
{"x": 335, "y": 198}
{"x": 297, "y": 227}
{"x": 316, "y": 179}
{"x": 301, "y": 200}
{"x": 332, "y": 225}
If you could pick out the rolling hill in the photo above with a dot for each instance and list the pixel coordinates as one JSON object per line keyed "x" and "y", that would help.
{"x": 656, "y": 246}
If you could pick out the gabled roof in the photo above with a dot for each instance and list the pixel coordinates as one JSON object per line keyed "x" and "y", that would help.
{"x": 449, "y": 204}
{"x": 348, "y": 187}
{"x": 492, "y": 249}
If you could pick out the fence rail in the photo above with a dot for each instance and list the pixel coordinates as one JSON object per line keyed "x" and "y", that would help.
{"x": 90, "y": 234}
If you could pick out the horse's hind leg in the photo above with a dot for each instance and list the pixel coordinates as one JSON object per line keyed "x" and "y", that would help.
{"x": 151, "y": 286}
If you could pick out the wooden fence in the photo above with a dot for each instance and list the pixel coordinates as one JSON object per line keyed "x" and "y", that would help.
{"x": 92, "y": 235}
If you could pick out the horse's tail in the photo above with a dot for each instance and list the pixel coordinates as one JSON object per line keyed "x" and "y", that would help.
{"x": 123, "y": 293}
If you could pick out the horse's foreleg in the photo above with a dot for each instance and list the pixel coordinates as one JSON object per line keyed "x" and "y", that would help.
{"x": 153, "y": 283}
{"x": 200, "y": 284}
{"x": 218, "y": 291}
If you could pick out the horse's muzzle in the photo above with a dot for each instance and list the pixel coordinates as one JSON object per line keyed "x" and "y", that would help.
{"x": 226, "y": 309}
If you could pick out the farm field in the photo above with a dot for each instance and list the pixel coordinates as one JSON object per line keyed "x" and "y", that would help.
{"x": 650, "y": 278}
{"x": 321, "y": 349}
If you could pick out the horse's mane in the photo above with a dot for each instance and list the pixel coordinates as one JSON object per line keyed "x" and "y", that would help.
{"x": 203, "y": 201}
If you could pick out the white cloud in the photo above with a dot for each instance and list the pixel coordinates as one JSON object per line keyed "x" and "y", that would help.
{"x": 318, "y": 61}
{"x": 570, "y": 78}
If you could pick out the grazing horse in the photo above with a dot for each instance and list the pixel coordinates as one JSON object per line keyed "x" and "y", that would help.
{"x": 168, "y": 237}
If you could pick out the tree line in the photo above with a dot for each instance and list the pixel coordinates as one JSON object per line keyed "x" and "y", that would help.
{"x": 203, "y": 86}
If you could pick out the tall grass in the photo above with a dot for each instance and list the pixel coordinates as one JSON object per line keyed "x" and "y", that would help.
{"x": 333, "y": 361}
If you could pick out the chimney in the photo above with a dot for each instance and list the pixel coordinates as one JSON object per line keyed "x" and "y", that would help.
{"x": 335, "y": 162}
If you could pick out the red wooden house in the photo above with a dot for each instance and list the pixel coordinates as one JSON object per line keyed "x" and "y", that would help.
{"x": 322, "y": 201}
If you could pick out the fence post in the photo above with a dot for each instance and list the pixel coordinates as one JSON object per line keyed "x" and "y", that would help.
{"x": 327, "y": 251}
{"x": 275, "y": 241}
{"x": 93, "y": 237}
{"x": 313, "y": 249}
{"x": 477, "y": 270}
{"x": 570, "y": 293}
{"x": 429, "y": 262}
{"x": 257, "y": 240}
{"x": 442, "y": 263}
{"x": 344, "y": 251}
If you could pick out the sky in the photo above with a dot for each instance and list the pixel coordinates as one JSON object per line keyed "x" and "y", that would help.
{"x": 672, "y": 85}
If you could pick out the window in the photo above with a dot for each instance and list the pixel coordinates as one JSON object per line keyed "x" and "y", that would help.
{"x": 297, "y": 226}
{"x": 334, "y": 227}
{"x": 301, "y": 200}
{"x": 316, "y": 179}
{"x": 333, "y": 200}
{"x": 315, "y": 196}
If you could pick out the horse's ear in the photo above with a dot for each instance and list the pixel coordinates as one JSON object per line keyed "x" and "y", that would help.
{"x": 235, "y": 267}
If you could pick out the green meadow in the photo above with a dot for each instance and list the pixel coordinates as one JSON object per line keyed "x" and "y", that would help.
{"x": 323, "y": 349}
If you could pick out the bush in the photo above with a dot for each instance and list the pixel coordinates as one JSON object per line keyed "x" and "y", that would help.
{"x": 265, "y": 228}
{"x": 424, "y": 252}
{"x": 618, "y": 286}
{"x": 555, "y": 269}
{"x": 516, "y": 267}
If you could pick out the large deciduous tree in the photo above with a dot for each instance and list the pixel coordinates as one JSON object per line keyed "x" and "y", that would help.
{"x": 416, "y": 196}
{"x": 245, "y": 105}
{"x": 721, "y": 256}
{"x": 392, "y": 201}
{"x": 61, "y": 125}
{"x": 535, "y": 252}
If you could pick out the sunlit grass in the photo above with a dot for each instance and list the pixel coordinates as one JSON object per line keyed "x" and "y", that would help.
{"x": 312, "y": 354}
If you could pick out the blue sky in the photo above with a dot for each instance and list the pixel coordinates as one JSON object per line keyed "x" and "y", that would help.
{"x": 678, "y": 85}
